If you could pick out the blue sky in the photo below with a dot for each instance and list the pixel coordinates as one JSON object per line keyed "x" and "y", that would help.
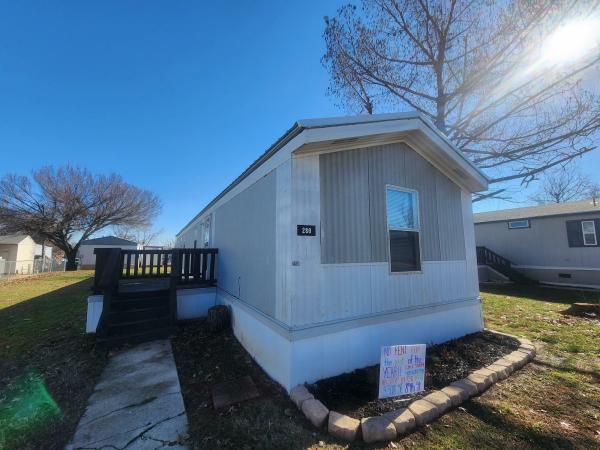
{"x": 178, "y": 97}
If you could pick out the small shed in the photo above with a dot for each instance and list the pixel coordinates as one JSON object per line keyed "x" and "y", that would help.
{"x": 17, "y": 252}
{"x": 347, "y": 234}
{"x": 87, "y": 259}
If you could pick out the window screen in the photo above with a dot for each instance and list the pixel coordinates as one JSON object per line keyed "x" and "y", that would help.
{"x": 403, "y": 229}
{"x": 589, "y": 232}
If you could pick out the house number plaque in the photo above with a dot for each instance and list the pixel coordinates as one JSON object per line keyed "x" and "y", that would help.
{"x": 306, "y": 230}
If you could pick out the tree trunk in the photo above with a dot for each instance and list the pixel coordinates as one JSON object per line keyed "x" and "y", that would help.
{"x": 71, "y": 264}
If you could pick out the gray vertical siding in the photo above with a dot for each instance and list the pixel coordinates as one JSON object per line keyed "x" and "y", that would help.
{"x": 386, "y": 165}
{"x": 353, "y": 217}
{"x": 449, "y": 218}
{"x": 344, "y": 189}
{"x": 245, "y": 235}
{"x": 421, "y": 176}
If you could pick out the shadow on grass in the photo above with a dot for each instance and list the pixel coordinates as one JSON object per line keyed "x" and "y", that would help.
{"x": 538, "y": 292}
{"x": 591, "y": 373}
{"x": 46, "y": 357}
{"x": 534, "y": 438}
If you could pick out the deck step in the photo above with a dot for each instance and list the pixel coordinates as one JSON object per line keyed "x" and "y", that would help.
{"x": 142, "y": 294}
{"x": 137, "y": 338}
{"x": 127, "y": 304}
{"x": 134, "y": 314}
{"x": 137, "y": 326}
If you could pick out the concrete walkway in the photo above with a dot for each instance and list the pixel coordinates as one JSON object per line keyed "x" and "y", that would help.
{"x": 137, "y": 403}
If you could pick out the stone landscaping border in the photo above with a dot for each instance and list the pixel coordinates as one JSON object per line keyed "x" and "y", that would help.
{"x": 418, "y": 413}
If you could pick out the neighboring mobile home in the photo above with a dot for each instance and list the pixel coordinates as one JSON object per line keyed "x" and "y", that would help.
{"x": 554, "y": 244}
{"x": 87, "y": 258}
{"x": 347, "y": 234}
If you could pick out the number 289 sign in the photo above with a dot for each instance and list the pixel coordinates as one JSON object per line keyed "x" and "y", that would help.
{"x": 306, "y": 230}
{"x": 402, "y": 370}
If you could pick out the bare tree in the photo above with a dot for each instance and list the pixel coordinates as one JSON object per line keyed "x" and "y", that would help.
{"x": 481, "y": 71}
{"x": 565, "y": 185}
{"x": 142, "y": 235}
{"x": 169, "y": 243}
{"x": 68, "y": 205}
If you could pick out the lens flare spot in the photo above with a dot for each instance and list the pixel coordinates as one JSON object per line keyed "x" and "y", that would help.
{"x": 25, "y": 406}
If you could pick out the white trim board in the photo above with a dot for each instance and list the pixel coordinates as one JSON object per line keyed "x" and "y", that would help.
{"x": 591, "y": 269}
{"x": 571, "y": 285}
{"x": 314, "y": 330}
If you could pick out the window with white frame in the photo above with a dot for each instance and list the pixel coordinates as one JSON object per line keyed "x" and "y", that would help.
{"x": 402, "y": 209}
{"x": 515, "y": 224}
{"x": 588, "y": 228}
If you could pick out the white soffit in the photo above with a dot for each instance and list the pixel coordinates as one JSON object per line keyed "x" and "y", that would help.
{"x": 411, "y": 130}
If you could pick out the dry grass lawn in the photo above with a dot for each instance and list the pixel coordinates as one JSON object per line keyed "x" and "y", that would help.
{"x": 48, "y": 366}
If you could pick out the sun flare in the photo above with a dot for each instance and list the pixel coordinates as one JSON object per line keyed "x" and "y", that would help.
{"x": 572, "y": 41}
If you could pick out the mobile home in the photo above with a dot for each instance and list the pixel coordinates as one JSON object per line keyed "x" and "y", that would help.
{"x": 347, "y": 234}
{"x": 553, "y": 244}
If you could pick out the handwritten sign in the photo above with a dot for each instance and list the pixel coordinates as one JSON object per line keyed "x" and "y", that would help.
{"x": 402, "y": 370}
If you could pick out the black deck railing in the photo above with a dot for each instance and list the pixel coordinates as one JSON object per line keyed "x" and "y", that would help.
{"x": 487, "y": 257}
{"x": 158, "y": 270}
{"x": 192, "y": 267}
{"x": 491, "y": 258}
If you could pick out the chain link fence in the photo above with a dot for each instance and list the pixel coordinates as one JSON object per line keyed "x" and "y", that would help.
{"x": 18, "y": 269}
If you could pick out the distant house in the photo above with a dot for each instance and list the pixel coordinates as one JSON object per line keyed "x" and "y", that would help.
{"x": 19, "y": 251}
{"x": 553, "y": 244}
{"x": 87, "y": 259}
{"x": 347, "y": 234}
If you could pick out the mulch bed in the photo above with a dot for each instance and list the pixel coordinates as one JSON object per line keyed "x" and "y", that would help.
{"x": 355, "y": 394}
{"x": 205, "y": 360}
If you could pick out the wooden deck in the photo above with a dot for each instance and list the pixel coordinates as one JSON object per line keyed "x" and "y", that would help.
{"x": 139, "y": 289}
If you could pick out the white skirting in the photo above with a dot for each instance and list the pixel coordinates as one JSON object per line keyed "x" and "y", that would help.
{"x": 194, "y": 303}
{"x": 291, "y": 360}
{"x": 94, "y": 310}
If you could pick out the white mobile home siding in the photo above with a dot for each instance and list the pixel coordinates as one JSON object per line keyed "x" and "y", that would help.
{"x": 244, "y": 233}
{"x": 342, "y": 273}
{"x": 542, "y": 251}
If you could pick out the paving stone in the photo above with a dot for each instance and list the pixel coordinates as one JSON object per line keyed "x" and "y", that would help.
{"x": 530, "y": 350}
{"x": 520, "y": 359}
{"x": 469, "y": 387}
{"x": 439, "y": 399}
{"x": 483, "y": 382}
{"x": 502, "y": 372}
{"x": 232, "y": 392}
{"x": 525, "y": 341}
{"x": 377, "y": 429}
{"x": 342, "y": 426}
{"x": 299, "y": 394}
{"x": 487, "y": 373}
{"x": 424, "y": 411}
{"x": 457, "y": 395}
{"x": 315, "y": 412}
{"x": 403, "y": 420}
{"x": 510, "y": 365}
